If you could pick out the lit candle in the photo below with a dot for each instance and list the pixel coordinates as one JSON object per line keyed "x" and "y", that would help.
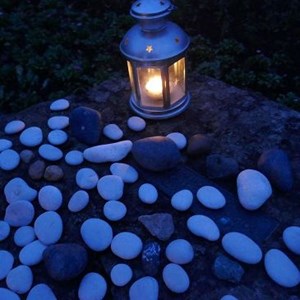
{"x": 154, "y": 86}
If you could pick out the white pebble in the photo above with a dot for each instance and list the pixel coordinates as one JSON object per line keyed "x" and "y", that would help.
{"x": 110, "y": 187}
{"x": 78, "y": 201}
{"x": 50, "y": 152}
{"x": 241, "y": 247}
{"x": 5, "y": 144}
{"x": 175, "y": 278}
{"x": 121, "y": 274}
{"x": 41, "y": 291}
{"x": 58, "y": 122}
{"x": 229, "y": 297}
{"x": 6, "y": 263}
{"x": 211, "y": 197}
{"x": 114, "y": 210}
{"x": 57, "y": 137}
{"x": 9, "y": 159}
{"x": 50, "y": 197}
{"x": 136, "y": 123}
{"x": 96, "y": 233}
{"x": 126, "y": 245}
{"x": 74, "y": 158}
{"x": 281, "y": 269}
{"x": 182, "y": 200}
{"x": 125, "y": 171}
{"x": 113, "y": 132}
{"x": 24, "y": 235}
{"x": 204, "y": 227}
{"x": 4, "y": 230}
{"x": 20, "y": 279}
{"x": 178, "y": 138}
{"x": 32, "y": 253}
{"x": 31, "y": 136}
{"x": 145, "y": 288}
{"x": 92, "y": 286}
{"x": 7, "y": 294}
{"x": 291, "y": 238}
{"x": 59, "y": 104}
{"x": 148, "y": 193}
{"x": 14, "y": 126}
{"x": 180, "y": 252}
{"x": 48, "y": 227}
{"x": 86, "y": 178}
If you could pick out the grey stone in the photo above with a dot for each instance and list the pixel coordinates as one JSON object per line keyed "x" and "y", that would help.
{"x": 36, "y": 169}
{"x": 53, "y": 173}
{"x": 151, "y": 258}
{"x": 219, "y": 166}
{"x": 26, "y": 155}
{"x": 199, "y": 144}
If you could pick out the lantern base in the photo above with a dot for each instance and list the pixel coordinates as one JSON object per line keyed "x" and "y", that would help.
{"x": 160, "y": 114}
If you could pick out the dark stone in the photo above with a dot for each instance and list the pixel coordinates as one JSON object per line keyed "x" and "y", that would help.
{"x": 53, "y": 173}
{"x": 219, "y": 166}
{"x": 156, "y": 153}
{"x": 65, "y": 261}
{"x": 226, "y": 269}
{"x": 199, "y": 144}
{"x": 275, "y": 165}
{"x": 36, "y": 170}
{"x": 86, "y": 125}
{"x": 26, "y": 156}
{"x": 151, "y": 258}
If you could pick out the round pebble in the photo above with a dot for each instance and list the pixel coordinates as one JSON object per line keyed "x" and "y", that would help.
{"x": 6, "y": 263}
{"x": 9, "y": 159}
{"x": 182, "y": 200}
{"x": 180, "y": 252}
{"x": 78, "y": 201}
{"x": 291, "y": 238}
{"x": 7, "y": 294}
{"x": 136, "y": 123}
{"x": 20, "y": 279}
{"x": 31, "y": 136}
{"x": 92, "y": 286}
{"x": 14, "y": 126}
{"x": 110, "y": 187}
{"x": 126, "y": 245}
{"x": 4, "y": 230}
{"x": 86, "y": 178}
{"x": 125, "y": 171}
{"x": 114, "y": 210}
{"x": 74, "y": 158}
{"x": 145, "y": 288}
{"x": 148, "y": 193}
{"x": 59, "y": 105}
{"x": 24, "y": 235}
{"x": 178, "y": 138}
{"x": 58, "y": 122}
{"x": 50, "y": 152}
{"x": 5, "y": 144}
{"x": 204, "y": 227}
{"x": 41, "y": 291}
{"x": 32, "y": 253}
{"x": 121, "y": 274}
{"x": 57, "y": 137}
{"x": 211, "y": 197}
{"x": 50, "y": 197}
{"x": 113, "y": 132}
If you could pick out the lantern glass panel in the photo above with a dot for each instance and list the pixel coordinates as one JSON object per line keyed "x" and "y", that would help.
{"x": 177, "y": 80}
{"x": 131, "y": 78}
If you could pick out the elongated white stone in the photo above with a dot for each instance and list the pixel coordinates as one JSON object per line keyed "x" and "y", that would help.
{"x": 113, "y": 132}
{"x": 5, "y": 144}
{"x": 32, "y": 253}
{"x": 59, "y": 104}
{"x": 58, "y": 122}
{"x": 6, "y": 263}
{"x": 50, "y": 152}
{"x": 14, "y": 126}
{"x": 31, "y": 136}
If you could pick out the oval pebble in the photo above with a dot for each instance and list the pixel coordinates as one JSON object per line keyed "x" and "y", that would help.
{"x": 6, "y": 263}
{"x": 92, "y": 286}
{"x": 125, "y": 171}
{"x": 148, "y": 193}
{"x": 41, "y": 291}
{"x": 241, "y": 247}
{"x": 5, "y": 144}
{"x": 126, "y": 245}
{"x": 211, "y": 197}
{"x": 31, "y": 136}
{"x": 229, "y": 297}
{"x": 4, "y": 230}
{"x": 78, "y": 201}
{"x": 14, "y": 126}
{"x": 96, "y": 233}
{"x": 178, "y": 138}
{"x": 86, "y": 178}
{"x": 175, "y": 278}
{"x": 50, "y": 197}
{"x": 180, "y": 252}
{"x": 114, "y": 210}
{"x": 24, "y": 235}
{"x": 110, "y": 187}
{"x": 74, "y": 158}
{"x": 59, "y": 105}
{"x": 58, "y": 122}
{"x": 7, "y": 294}
{"x": 136, "y": 123}
{"x": 145, "y": 288}
{"x": 182, "y": 200}
{"x": 48, "y": 227}
{"x": 57, "y": 137}
{"x": 19, "y": 279}
{"x": 291, "y": 238}
{"x": 121, "y": 274}
{"x": 32, "y": 253}
{"x": 281, "y": 269}
{"x": 113, "y": 132}
{"x": 9, "y": 159}
{"x": 50, "y": 152}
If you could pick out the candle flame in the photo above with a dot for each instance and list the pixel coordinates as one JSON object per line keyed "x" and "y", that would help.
{"x": 154, "y": 86}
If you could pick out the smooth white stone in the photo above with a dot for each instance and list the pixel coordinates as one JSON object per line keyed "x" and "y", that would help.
{"x": 50, "y": 152}
{"x": 253, "y": 189}
{"x": 136, "y": 123}
{"x": 17, "y": 189}
{"x": 96, "y": 233}
{"x": 50, "y": 197}
{"x": 125, "y": 171}
{"x": 211, "y": 197}
{"x": 175, "y": 278}
{"x": 113, "y": 132}
{"x": 32, "y": 253}
{"x": 6, "y": 263}
{"x": 121, "y": 274}
{"x": 86, "y": 178}
{"x": 4, "y": 230}
{"x": 108, "y": 152}
{"x": 14, "y": 126}
{"x": 58, "y": 122}
{"x": 92, "y": 286}
{"x": 7, "y": 294}
{"x": 31, "y": 136}
{"x": 229, "y": 297}
{"x": 110, "y": 187}
{"x": 57, "y": 137}
{"x": 126, "y": 245}
{"x": 281, "y": 269}
{"x": 78, "y": 201}
{"x": 48, "y": 227}
{"x": 9, "y": 159}
{"x": 241, "y": 247}
{"x": 24, "y": 235}
{"x": 291, "y": 238}
{"x": 148, "y": 193}
{"x": 20, "y": 279}
{"x": 74, "y": 158}
{"x": 19, "y": 213}
{"x": 41, "y": 292}
{"x": 145, "y": 288}
{"x": 180, "y": 252}
{"x": 114, "y": 210}
{"x": 178, "y": 138}
{"x": 59, "y": 104}
{"x": 182, "y": 200}
{"x": 5, "y": 144}
{"x": 204, "y": 227}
